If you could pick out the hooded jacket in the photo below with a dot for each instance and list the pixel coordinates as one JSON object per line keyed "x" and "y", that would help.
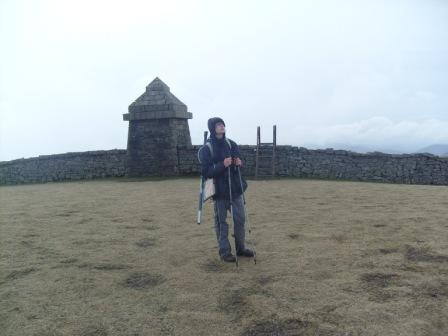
{"x": 213, "y": 167}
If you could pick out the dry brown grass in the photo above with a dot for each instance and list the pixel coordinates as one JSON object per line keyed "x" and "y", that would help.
{"x": 116, "y": 257}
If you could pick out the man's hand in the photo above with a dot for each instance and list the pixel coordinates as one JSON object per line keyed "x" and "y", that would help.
{"x": 237, "y": 162}
{"x": 227, "y": 162}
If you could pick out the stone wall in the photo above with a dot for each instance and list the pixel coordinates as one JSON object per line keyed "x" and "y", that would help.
{"x": 338, "y": 164}
{"x": 376, "y": 166}
{"x": 68, "y": 166}
{"x": 290, "y": 161}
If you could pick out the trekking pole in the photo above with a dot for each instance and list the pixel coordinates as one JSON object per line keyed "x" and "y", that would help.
{"x": 201, "y": 188}
{"x": 247, "y": 217}
{"x": 231, "y": 211}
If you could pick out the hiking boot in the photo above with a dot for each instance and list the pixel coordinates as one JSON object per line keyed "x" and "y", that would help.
{"x": 245, "y": 253}
{"x": 228, "y": 258}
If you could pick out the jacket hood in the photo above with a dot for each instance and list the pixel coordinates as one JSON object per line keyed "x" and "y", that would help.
{"x": 212, "y": 124}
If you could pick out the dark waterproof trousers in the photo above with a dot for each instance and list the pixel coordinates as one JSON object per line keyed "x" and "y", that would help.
{"x": 222, "y": 228}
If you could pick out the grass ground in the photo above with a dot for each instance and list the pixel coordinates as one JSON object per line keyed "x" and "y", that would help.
{"x": 117, "y": 257}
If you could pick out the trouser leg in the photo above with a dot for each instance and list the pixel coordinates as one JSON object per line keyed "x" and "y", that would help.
{"x": 239, "y": 219}
{"x": 215, "y": 208}
{"x": 221, "y": 227}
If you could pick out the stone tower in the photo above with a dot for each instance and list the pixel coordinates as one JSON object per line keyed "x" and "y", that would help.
{"x": 158, "y": 123}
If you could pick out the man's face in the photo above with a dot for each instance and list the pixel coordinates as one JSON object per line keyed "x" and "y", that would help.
{"x": 220, "y": 128}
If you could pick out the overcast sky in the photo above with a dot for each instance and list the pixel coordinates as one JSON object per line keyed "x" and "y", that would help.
{"x": 327, "y": 73}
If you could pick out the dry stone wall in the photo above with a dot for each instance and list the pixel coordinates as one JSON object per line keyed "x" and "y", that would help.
{"x": 338, "y": 164}
{"x": 290, "y": 161}
{"x": 63, "y": 167}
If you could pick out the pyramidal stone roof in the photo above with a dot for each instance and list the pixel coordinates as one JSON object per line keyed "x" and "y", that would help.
{"x": 157, "y": 102}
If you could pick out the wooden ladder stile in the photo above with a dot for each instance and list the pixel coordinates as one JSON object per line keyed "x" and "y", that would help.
{"x": 262, "y": 158}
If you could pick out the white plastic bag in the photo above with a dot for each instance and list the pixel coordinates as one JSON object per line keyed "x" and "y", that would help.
{"x": 209, "y": 189}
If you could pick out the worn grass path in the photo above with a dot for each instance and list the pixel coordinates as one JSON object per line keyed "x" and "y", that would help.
{"x": 117, "y": 257}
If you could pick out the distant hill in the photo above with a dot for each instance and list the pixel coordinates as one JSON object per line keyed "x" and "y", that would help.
{"x": 354, "y": 148}
{"x": 436, "y": 149}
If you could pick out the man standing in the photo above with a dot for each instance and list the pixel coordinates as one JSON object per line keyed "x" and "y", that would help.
{"x": 215, "y": 165}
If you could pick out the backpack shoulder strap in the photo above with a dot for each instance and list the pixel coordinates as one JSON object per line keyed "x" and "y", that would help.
{"x": 229, "y": 143}
{"x": 210, "y": 147}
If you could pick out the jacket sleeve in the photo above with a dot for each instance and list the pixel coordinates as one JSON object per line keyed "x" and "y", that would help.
{"x": 208, "y": 168}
